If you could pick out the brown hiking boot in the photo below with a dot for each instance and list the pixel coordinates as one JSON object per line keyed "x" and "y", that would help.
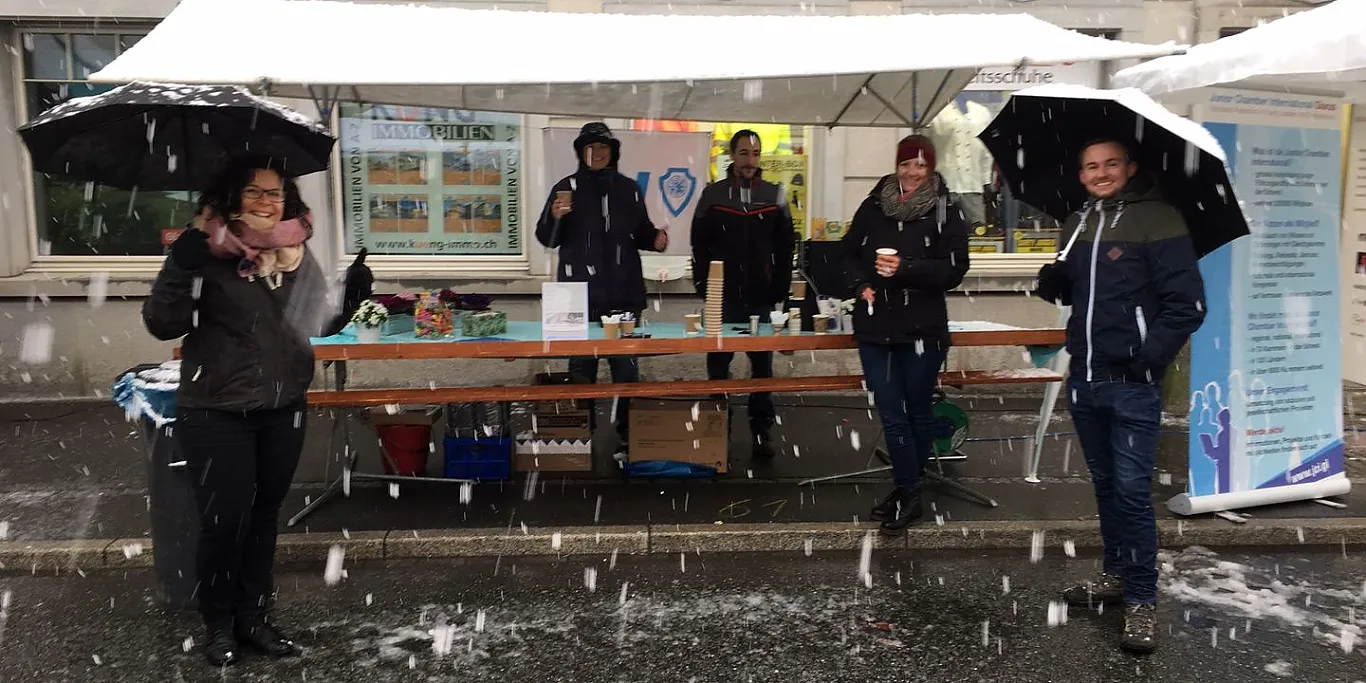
{"x": 1105, "y": 589}
{"x": 1140, "y": 628}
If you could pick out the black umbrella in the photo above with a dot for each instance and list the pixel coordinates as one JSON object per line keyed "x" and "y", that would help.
{"x": 155, "y": 136}
{"x": 1038, "y": 137}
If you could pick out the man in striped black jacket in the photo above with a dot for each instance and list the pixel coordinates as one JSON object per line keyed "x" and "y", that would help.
{"x": 743, "y": 221}
{"x": 1130, "y": 273}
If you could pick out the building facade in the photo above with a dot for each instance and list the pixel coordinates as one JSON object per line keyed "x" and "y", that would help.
{"x": 78, "y": 257}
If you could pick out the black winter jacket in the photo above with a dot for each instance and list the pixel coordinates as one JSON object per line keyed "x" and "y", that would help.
{"x": 246, "y": 345}
{"x": 910, "y": 305}
{"x": 754, "y": 239}
{"x": 1148, "y": 297}
{"x": 601, "y": 239}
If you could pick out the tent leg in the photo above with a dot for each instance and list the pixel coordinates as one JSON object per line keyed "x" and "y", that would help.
{"x": 1050, "y": 399}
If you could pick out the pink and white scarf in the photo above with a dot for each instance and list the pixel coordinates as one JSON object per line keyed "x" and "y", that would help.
{"x": 263, "y": 250}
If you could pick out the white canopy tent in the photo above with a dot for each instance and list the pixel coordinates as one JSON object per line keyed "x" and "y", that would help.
{"x": 897, "y": 70}
{"x": 1319, "y": 51}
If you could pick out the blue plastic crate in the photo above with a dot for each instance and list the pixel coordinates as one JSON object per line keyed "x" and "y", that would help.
{"x": 479, "y": 459}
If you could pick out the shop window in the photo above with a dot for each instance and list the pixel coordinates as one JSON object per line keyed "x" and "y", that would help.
{"x": 89, "y": 219}
{"x": 998, "y": 222}
{"x": 783, "y": 156}
{"x": 425, "y": 181}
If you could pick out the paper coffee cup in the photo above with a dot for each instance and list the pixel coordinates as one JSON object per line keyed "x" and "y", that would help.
{"x": 692, "y": 323}
{"x": 799, "y": 289}
{"x": 821, "y": 323}
{"x": 611, "y": 327}
{"x": 566, "y": 196}
{"x": 628, "y": 325}
{"x": 754, "y": 324}
{"x": 885, "y": 251}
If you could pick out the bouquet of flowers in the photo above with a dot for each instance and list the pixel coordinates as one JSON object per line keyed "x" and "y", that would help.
{"x": 398, "y": 304}
{"x": 370, "y": 313}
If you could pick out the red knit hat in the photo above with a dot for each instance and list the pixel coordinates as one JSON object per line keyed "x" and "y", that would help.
{"x": 916, "y": 147}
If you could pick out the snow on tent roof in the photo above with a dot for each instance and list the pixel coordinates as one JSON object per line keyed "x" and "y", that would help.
{"x": 833, "y": 70}
{"x": 1319, "y": 49}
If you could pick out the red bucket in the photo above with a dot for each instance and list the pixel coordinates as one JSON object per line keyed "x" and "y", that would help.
{"x": 406, "y": 447}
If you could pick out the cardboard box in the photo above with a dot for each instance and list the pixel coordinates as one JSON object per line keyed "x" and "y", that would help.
{"x": 407, "y": 415}
{"x": 666, "y": 430}
{"x": 570, "y": 424}
{"x": 548, "y": 455}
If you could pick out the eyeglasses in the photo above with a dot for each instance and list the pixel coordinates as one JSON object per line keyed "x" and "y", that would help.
{"x": 255, "y": 193}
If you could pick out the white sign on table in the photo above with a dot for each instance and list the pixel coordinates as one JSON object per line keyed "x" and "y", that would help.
{"x": 564, "y": 310}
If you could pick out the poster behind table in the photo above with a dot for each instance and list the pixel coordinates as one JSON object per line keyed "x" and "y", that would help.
{"x": 1354, "y": 252}
{"x": 425, "y": 181}
{"x": 669, "y": 168}
{"x": 1266, "y": 375}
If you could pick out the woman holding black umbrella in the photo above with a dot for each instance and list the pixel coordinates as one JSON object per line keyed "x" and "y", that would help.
{"x": 907, "y": 247}
{"x": 243, "y": 289}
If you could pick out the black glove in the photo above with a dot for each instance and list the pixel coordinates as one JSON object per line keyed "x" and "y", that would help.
{"x": 1054, "y": 286}
{"x": 190, "y": 251}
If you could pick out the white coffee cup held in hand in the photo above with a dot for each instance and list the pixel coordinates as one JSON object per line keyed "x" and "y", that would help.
{"x": 887, "y": 262}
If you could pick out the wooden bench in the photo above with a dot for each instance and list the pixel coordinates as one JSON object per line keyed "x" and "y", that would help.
{"x": 553, "y": 392}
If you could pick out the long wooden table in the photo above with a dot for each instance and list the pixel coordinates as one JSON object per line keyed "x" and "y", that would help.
{"x": 523, "y": 340}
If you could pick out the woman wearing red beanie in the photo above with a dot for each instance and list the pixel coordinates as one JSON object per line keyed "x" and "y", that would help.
{"x": 907, "y": 247}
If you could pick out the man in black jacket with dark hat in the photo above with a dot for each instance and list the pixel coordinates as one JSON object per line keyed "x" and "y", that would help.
{"x": 598, "y": 220}
{"x": 742, "y": 221}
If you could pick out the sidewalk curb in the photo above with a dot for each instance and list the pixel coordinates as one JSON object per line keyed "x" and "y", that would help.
{"x": 93, "y": 554}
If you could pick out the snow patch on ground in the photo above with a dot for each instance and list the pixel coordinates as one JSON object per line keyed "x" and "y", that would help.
{"x": 1197, "y": 576}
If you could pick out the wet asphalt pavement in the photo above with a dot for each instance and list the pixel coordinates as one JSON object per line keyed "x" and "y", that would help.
{"x": 927, "y": 617}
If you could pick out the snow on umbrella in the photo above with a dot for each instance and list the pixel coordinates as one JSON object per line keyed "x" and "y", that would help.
{"x": 1038, "y": 137}
{"x": 159, "y": 136}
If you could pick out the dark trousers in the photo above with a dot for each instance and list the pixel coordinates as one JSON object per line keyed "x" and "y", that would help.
{"x": 902, "y": 378}
{"x": 1117, "y": 424}
{"x": 242, "y": 464}
{"x": 761, "y": 412}
{"x": 624, "y": 369}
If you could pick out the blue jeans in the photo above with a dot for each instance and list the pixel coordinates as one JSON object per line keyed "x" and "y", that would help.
{"x": 902, "y": 378}
{"x": 624, "y": 369}
{"x": 1117, "y": 424}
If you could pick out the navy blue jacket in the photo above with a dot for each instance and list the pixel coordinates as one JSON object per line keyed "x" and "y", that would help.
{"x": 601, "y": 239}
{"x": 1148, "y": 297}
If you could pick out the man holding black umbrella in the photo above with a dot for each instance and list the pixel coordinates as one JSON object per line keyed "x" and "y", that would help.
{"x": 1130, "y": 272}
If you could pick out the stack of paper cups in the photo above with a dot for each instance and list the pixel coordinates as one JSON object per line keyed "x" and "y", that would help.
{"x": 716, "y": 285}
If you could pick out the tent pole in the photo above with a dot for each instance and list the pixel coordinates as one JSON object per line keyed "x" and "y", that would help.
{"x": 939, "y": 91}
{"x": 891, "y": 108}
{"x": 915, "y": 100}
{"x": 845, "y": 109}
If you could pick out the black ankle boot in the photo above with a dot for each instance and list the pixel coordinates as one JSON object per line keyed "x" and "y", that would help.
{"x": 887, "y": 508}
{"x": 907, "y": 510}
{"x": 259, "y": 634}
{"x": 220, "y": 647}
